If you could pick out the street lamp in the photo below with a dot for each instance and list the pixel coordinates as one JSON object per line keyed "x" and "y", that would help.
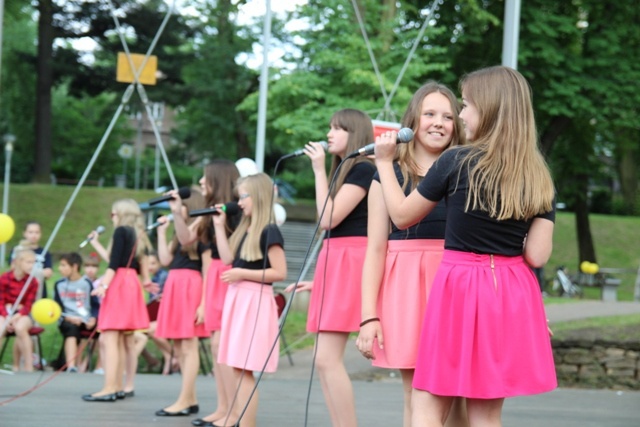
{"x": 9, "y": 140}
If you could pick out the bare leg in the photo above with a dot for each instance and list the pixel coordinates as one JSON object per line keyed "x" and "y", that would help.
{"x": 189, "y": 366}
{"x": 485, "y": 412}
{"x": 23, "y": 342}
{"x": 336, "y": 384}
{"x": 71, "y": 351}
{"x": 130, "y": 362}
{"x": 429, "y": 410}
{"x": 458, "y": 413}
{"x": 244, "y": 382}
{"x": 407, "y": 380}
{"x": 220, "y": 375}
{"x": 111, "y": 361}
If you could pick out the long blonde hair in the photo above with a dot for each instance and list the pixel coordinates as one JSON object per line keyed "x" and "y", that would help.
{"x": 508, "y": 177}
{"x": 360, "y": 129}
{"x": 260, "y": 189}
{"x": 406, "y": 152}
{"x": 128, "y": 214}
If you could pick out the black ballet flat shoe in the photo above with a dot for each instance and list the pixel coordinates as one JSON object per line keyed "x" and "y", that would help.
{"x": 199, "y": 422}
{"x": 193, "y": 409}
{"x": 105, "y": 398}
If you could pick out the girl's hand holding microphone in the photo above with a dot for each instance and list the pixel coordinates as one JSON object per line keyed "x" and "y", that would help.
{"x": 386, "y": 144}
{"x": 315, "y": 151}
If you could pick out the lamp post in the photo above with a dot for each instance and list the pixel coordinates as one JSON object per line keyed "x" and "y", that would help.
{"x": 9, "y": 140}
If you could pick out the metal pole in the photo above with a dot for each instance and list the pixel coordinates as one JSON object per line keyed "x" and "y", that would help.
{"x": 511, "y": 33}
{"x": 264, "y": 83}
{"x": 138, "y": 151}
{"x": 8, "y": 151}
{"x": 1, "y": 32}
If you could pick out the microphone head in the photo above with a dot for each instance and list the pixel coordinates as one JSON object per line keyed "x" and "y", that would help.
{"x": 184, "y": 192}
{"x": 231, "y": 208}
{"x": 324, "y": 144}
{"x": 100, "y": 229}
{"x": 405, "y": 135}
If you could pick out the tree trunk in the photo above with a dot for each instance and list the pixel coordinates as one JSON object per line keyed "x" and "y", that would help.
{"x": 43, "y": 149}
{"x": 586, "y": 250}
{"x": 628, "y": 170}
{"x": 555, "y": 128}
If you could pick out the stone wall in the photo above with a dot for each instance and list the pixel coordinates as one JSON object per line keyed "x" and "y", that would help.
{"x": 597, "y": 364}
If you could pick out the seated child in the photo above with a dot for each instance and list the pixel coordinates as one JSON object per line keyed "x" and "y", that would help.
{"x": 19, "y": 321}
{"x": 79, "y": 307}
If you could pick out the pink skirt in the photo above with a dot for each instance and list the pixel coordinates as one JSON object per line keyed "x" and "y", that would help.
{"x": 123, "y": 307}
{"x": 181, "y": 297}
{"x": 215, "y": 294}
{"x": 409, "y": 270}
{"x": 249, "y": 328}
{"x": 485, "y": 331}
{"x": 336, "y": 296}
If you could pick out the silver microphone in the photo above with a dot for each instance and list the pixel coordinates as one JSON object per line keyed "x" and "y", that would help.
{"x": 300, "y": 151}
{"x": 158, "y": 223}
{"x": 404, "y": 135}
{"x": 99, "y": 229}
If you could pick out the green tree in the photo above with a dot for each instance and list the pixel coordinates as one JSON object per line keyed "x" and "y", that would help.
{"x": 215, "y": 83}
{"x": 333, "y": 70}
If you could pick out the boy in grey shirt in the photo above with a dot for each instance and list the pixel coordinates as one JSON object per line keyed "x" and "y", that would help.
{"x": 79, "y": 307}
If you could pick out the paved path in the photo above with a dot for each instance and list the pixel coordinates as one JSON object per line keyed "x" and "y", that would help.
{"x": 283, "y": 395}
{"x": 563, "y": 312}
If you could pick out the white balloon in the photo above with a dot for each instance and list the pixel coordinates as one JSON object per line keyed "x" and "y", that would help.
{"x": 246, "y": 167}
{"x": 280, "y": 213}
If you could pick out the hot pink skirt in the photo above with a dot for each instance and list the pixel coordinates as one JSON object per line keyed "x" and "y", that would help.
{"x": 215, "y": 294}
{"x": 485, "y": 331}
{"x": 410, "y": 268}
{"x": 181, "y": 296}
{"x": 123, "y": 307}
{"x": 249, "y": 328}
{"x": 336, "y": 296}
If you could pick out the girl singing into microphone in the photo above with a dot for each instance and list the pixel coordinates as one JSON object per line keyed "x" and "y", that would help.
{"x": 255, "y": 252}
{"x": 178, "y": 317}
{"x": 123, "y": 309}
{"x": 218, "y": 186}
{"x": 334, "y": 307}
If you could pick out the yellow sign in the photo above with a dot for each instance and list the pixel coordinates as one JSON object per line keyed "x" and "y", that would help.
{"x": 148, "y": 74}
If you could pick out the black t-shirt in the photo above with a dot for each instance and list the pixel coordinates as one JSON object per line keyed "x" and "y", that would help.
{"x": 181, "y": 259}
{"x": 123, "y": 249}
{"x": 472, "y": 231}
{"x": 355, "y": 223}
{"x": 430, "y": 227}
{"x": 232, "y": 223}
{"x": 270, "y": 236}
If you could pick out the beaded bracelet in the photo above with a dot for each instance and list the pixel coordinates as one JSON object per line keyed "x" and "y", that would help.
{"x": 373, "y": 319}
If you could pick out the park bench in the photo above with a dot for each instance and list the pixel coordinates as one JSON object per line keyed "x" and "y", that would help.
{"x": 606, "y": 279}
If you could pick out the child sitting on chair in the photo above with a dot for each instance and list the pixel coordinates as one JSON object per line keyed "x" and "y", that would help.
{"x": 79, "y": 307}
{"x": 17, "y": 318}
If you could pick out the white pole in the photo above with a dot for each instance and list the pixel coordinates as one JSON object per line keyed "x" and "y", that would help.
{"x": 1, "y": 31}
{"x": 264, "y": 84}
{"x": 8, "y": 151}
{"x": 511, "y": 33}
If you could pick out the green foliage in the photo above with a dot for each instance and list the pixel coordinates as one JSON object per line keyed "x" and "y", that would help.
{"x": 215, "y": 83}
{"x": 17, "y": 94}
{"x": 78, "y": 126}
